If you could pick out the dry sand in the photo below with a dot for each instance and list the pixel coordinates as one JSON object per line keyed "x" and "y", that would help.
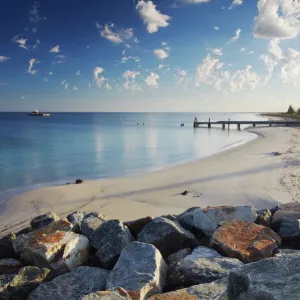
{"x": 249, "y": 174}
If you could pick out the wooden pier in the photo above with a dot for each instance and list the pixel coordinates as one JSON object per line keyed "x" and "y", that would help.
{"x": 251, "y": 123}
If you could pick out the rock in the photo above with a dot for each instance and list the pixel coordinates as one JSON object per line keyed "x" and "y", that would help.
{"x": 26, "y": 281}
{"x": 207, "y": 291}
{"x": 75, "y": 218}
{"x": 115, "y": 294}
{"x": 192, "y": 270}
{"x": 177, "y": 256}
{"x": 167, "y": 236}
{"x": 44, "y": 220}
{"x": 204, "y": 252}
{"x": 109, "y": 239}
{"x": 285, "y": 211}
{"x": 90, "y": 223}
{"x": 186, "y": 220}
{"x": 9, "y": 266}
{"x": 276, "y": 278}
{"x": 6, "y": 247}
{"x": 246, "y": 241}
{"x": 81, "y": 282}
{"x": 170, "y": 217}
{"x": 191, "y": 209}
{"x": 136, "y": 226}
{"x": 53, "y": 247}
{"x": 290, "y": 229}
{"x": 5, "y": 280}
{"x": 78, "y": 181}
{"x": 281, "y": 252}
{"x": 264, "y": 218}
{"x": 140, "y": 270}
{"x": 209, "y": 219}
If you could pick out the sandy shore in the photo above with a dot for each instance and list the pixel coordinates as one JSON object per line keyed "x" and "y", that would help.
{"x": 248, "y": 174}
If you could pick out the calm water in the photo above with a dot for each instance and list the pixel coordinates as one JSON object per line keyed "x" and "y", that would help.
{"x": 66, "y": 146}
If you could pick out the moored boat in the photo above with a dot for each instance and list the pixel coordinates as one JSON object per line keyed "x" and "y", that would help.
{"x": 36, "y": 113}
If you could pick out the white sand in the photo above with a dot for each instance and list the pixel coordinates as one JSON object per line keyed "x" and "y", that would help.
{"x": 248, "y": 174}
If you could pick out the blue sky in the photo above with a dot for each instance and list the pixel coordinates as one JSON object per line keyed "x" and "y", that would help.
{"x": 172, "y": 55}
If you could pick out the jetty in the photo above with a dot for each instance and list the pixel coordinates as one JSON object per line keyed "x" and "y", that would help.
{"x": 239, "y": 123}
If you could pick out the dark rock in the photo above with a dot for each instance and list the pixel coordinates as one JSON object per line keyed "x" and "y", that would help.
{"x": 78, "y": 181}
{"x": 140, "y": 270}
{"x": 177, "y": 256}
{"x": 136, "y": 226}
{"x": 290, "y": 229}
{"x": 5, "y": 280}
{"x": 186, "y": 220}
{"x": 109, "y": 239}
{"x": 90, "y": 223}
{"x": 207, "y": 291}
{"x": 167, "y": 236}
{"x": 170, "y": 217}
{"x": 25, "y": 230}
{"x": 246, "y": 241}
{"x": 281, "y": 252}
{"x": 6, "y": 247}
{"x": 184, "y": 193}
{"x": 272, "y": 278}
{"x": 285, "y": 212}
{"x": 115, "y": 294}
{"x": 191, "y": 209}
{"x": 44, "y": 220}
{"x": 75, "y": 285}
{"x": 9, "y": 266}
{"x": 26, "y": 281}
{"x": 75, "y": 218}
{"x": 264, "y": 218}
{"x": 204, "y": 252}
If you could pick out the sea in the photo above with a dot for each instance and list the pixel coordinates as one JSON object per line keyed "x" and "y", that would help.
{"x": 43, "y": 151}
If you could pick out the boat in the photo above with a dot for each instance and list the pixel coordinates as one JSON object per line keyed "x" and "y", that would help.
{"x": 36, "y": 113}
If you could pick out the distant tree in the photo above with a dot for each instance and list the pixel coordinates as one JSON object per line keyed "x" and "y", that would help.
{"x": 291, "y": 110}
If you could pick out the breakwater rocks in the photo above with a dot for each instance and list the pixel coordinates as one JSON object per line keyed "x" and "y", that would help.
{"x": 226, "y": 253}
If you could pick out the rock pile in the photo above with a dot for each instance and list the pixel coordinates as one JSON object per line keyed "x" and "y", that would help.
{"x": 225, "y": 253}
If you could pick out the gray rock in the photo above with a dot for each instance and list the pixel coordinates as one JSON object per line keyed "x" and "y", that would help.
{"x": 191, "y": 209}
{"x": 6, "y": 247}
{"x": 26, "y": 281}
{"x": 137, "y": 226}
{"x": 207, "y": 291}
{"x": 44, "y": 220}
{"x": 75, "y": 218}
{"x": 115, "y": 294}
{"x": 277, "y": 278}
{"x": 281, "y": 252}
{"x": 75, "y": 285}
{"x": 5, "y": 280}
{"x": 167, "y": 236}
{"x": 192, "y": 270}
{"x": 109, "y": 239}
{"x": 9, "y": 266}
{"x": 285, "y": 212}
{"x": 204, "y": 252}
{"x": 264, "y": 217}
{"x": 290, "y": 229}
{"x": 209, "y": 219}
{"x": 140, "y": 270}
{"x": 177, "y": 256}
{"x": 90, "y": 223}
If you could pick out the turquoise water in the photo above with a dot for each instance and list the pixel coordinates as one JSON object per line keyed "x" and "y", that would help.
{"x": 36, "y": 151}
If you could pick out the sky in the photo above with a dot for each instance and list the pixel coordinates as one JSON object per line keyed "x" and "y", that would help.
{"x": 159, "y": 55}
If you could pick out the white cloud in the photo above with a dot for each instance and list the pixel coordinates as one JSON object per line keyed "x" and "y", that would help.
{"x": 216, "y": 28}
{"x": 251, "y": 52}
{"x": 270, "y": 65}
{"x": 36, "y": 44}
{"x": 244, "y": 79}
{"x": 50, "y": 73}
{"x": 130, "y": 83}
{"x": 3, "y": 58}
{"x": 243, "y": 49}
{"x": 236, "y": 37}
{"x": 135, "y": 40}
{"x": 108, "y": 86}
{"x": 236, "y": 3}
{"x": 126, "y": 58}
{"x": 152, "y": 80}
{"x": 182, "y": 73}
{"x": 66, "y": 86}
{"x": 20, "y": 41}
{"x": 216, "y": 51}
{"x": 78, "y": 73}
{"x": 127, "y": 46}
{"x": 160, "y": 66}
{"x": 75, "y": 88}
{"x": 277, "y": 19}
{"x": 275, "y": 50}
{"x": 64, "y": 81}
{"x": 34, "y": 16}
{"x": 161, "y": 53}
{"x": 60, "y": 56}
{"x": 196, "y": 1}
{"x": 99, "y": 80}
{"x": 55, "y": 49}
{"x": 34, "y": 30}
{"x": 118, "y": 36}
{"x": 31, "y": 64}
{"x": 163, "y": 44}
{"x": 151, "y": 16}
{"x": 183, "y": 79}
{"x": 45, "y": 79}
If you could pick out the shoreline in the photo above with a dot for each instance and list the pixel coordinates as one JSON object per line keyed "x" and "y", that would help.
{"x": 247, "y": 174}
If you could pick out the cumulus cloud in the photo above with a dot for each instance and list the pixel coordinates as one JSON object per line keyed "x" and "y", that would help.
{"x": 126, "y": 58}
{"x": 117, "y": 36}
{"x": 236, "y": 37}
{"x": 20, "y": 41}
{"x": 216, "y": 51}
{"x": 152, "y": 80}
{"x": 130, "y": 83}
{"x": 99, "y": 80}
{"x": 64, "y": 81}
{"x": 182, "y": 77}
{"x": 75, "y": 88}
{"x": 55, "y": 49}
{"x": 30, "y": 68}
{"x": 243, "y": 49}
{"x": 3, "y": 58}
{"x": 161, "y": 53}
{"x": 277, "y": 19}
{"x": 270, "y": 65}
{"x": 236, "y": 3}
{"x": 78, "y": 73}
{"x": 66, "y": 86}
{"x": 151, "y": 16}
{"x": 244, "y": 79}
{"x": 108, "y": 86}
{"x": 216, "y": 28}
{"x": 275, "y": 50}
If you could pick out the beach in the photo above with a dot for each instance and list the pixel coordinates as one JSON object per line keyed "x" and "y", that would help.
{"x": 251, "y": 174}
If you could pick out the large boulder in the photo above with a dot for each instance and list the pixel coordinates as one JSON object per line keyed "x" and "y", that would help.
{"x": 115, "y": 294}
{"x": 6, "y": 247}
{"x": 264, "y": 218}
{"x": 90, "y": 223}
{"x": 186, "y": 220}
{"x": 140, "y": 270}
{"x": 204, "y": 252}
{"x": 44, "y": 220}
{"x": 193, "y": 270}
{"x": 10, "y": 266}
{"x": 75, "y": 285}
{"x": 109, "y": 239}
{"x": 289, "y": 230}
{"x": 5, "y": 280}
{"x": 75, "y": 218}
{"x": 136, "y": 226}
{"x": 210, "y": 218}
{"x": 26, "y": 281}
{"x": 53, "y": 247}
{"x": 276, "y": 277}
{"x": 208, "y": 291}
{"x": 285, "y": 212}
{"x": 246, "y": 241}
{"x": 167, "y": 236}
{"x": 177, "y": 256}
